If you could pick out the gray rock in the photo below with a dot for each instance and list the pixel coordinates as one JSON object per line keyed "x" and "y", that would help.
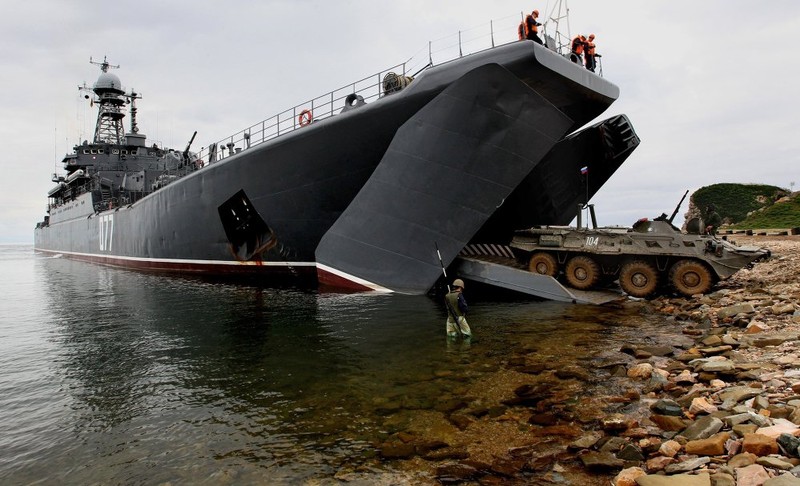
{"x": 657, "y": 350}
{"x": 655, "y": 383}
{"x": 688, "y": 465}
{"x": 632, "y": 452}
{"x": 586, "y": 441}
{"x": 601, "y": 461}
{"x": 716, "y": 350}
{"x": 783, "y": 308}
{"x": 775, "y": 340}
{"x": 702, "y": 428}
{"x": 749, "y": 416}
{"x": 759, "y": 419}
{"x": 739, "y": 393}
{"x": 733, "y": 310}
{"x": 789, "y": 444}
{"x": 786, "y": 479}
{"x": 720, "y": 366}
{"x": 729, "y": 340}
{"x": 666, "y": 406}
{"x": 760, "y": 402}
{"x": 723, "y": 479}
{"x": 611, "y": 444}
{"x": 774, "y": 462}
{"x": 736, "y": 419}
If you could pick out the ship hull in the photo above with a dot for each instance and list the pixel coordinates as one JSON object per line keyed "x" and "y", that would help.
{"x": 294, "y": 188}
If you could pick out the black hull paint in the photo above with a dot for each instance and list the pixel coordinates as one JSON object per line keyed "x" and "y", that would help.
{"x": 446, "y": 172}
{"x": 302, "y": 182}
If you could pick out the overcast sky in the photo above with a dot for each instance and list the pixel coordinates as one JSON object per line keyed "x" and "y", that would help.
{"x": 710, "y": 86}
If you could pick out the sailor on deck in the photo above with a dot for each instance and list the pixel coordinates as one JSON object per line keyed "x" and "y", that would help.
{"x": 456, "y": 311}
{"x": 590, "y": 53}
{"x": 532, "y": 27}
{"x": 578, "y": 44}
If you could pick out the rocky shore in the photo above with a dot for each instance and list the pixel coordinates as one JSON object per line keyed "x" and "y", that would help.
{"x": 715, "y": 401}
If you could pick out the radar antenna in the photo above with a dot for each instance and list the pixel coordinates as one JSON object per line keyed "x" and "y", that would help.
{"x": 103, "y": 65}
{"x": 111, "y": 99}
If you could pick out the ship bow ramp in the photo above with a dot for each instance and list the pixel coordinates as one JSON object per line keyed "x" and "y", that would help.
{"x": 570, "y": 174}
{"x": 446, "y": 171}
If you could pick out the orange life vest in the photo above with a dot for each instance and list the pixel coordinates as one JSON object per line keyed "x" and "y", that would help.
{"x": 531, "y": 25}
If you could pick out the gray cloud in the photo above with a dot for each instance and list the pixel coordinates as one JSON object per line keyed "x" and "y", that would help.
{"x": 708, "y": 85}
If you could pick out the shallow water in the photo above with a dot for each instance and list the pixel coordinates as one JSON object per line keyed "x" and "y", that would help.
{"x": 111, "y": 376}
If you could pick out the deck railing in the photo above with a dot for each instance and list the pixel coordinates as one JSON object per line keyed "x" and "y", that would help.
{"x": 370, "y": 88}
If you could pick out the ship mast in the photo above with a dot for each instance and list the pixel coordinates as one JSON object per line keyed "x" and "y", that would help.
{"x": 558, "y": 14}
{"x": 111, "y": 98}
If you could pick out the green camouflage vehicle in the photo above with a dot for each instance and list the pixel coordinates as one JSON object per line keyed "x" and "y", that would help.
{"x": 651, "y": 256}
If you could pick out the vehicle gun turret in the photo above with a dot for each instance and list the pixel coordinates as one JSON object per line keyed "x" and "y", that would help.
{"x": 678, "y": 207}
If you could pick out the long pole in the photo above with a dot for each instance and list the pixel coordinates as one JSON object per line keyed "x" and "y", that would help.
{"x": 441, "y": 263}
{"x": 587, "y": 186}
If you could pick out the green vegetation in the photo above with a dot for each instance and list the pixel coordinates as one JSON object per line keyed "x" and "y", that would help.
{"x": 781, "y": 215}
{"x": 734, "y": 201}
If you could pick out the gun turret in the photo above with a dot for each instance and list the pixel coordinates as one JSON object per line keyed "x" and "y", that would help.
{"x": 678, "y": 207}
{"x": 186, "y": 152}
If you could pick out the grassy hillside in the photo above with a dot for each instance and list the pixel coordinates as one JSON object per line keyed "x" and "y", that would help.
{"x": 735, "y": 201}
{"x": 779, "y": 215}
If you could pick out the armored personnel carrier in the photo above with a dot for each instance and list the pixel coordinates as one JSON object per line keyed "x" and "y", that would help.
{"x": 652, "y": 255}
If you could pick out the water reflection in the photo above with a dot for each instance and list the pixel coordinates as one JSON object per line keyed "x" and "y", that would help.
{"x": 172, "y": 379}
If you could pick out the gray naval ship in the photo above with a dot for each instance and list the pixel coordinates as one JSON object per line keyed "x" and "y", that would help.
{"x": 356, "y": 189}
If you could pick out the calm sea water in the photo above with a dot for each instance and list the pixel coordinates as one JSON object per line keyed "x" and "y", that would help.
{"x": 116, "y": 377}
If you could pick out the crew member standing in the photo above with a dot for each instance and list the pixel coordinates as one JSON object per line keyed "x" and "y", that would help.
{"x": 590, "y": 53}
{"x": 713, "y": 220}
{"x": 532, "y": 27}
{"x": 456, "y": 311}
{"x": 578, "y": 43}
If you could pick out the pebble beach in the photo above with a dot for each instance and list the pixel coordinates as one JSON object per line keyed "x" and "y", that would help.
{"x": 714, "y": 400}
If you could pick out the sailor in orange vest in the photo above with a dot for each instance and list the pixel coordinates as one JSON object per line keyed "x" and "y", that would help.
{"x": 578, "y": 43}
{"x": 590, "y": 53}
{"x": 531, "y": 27}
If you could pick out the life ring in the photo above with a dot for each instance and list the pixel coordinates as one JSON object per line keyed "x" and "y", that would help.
{"x": 305, "y": 118}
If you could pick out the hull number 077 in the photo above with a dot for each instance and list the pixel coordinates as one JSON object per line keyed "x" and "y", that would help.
{"x": 106, "y": 232}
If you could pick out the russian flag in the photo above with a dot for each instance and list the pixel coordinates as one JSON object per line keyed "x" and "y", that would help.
{"x": 584, "y": 170}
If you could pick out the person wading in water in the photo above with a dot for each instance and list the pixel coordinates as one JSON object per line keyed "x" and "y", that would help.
{"x": 456, "y": 311}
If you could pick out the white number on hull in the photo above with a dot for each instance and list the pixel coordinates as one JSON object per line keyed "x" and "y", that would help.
{"x": 106, "y": 232}
{"x": 592, "y": 240}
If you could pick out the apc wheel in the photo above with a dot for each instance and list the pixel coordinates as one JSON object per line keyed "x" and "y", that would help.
{"x": 582, "y": 272}
{"x": 638, "y": 278}
{"x": 689, "y": 277}
{"x": 543, "y": 264}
